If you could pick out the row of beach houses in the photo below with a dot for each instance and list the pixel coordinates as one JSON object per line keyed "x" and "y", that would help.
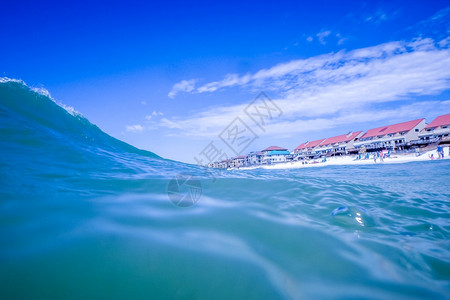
{"x": 402, "y": 136}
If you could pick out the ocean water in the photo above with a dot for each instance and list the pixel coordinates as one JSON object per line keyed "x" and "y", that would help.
{"x": 85, "y": 216}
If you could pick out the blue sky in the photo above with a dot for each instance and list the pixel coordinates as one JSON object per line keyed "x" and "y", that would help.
{"x": 170, "y": 77}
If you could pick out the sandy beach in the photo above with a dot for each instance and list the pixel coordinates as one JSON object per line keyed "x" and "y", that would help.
{"x": 351, "y": 160}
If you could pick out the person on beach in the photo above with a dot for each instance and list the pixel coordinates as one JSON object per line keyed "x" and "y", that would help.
{"x": 440, "y": 152}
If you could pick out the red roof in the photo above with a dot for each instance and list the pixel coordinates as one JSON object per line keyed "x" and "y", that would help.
{"x": 439, "y": 121}
{"x": 400, "y": 127}
{"x": 271, "y": 148}
{"x": 309, "y": 144}
{"x": 342, "y": 138}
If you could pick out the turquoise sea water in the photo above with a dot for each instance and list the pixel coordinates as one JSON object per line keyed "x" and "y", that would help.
{"x": 85, "y": 216}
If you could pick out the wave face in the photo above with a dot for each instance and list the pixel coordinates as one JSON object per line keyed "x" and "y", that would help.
{"x": 86, "y": 216}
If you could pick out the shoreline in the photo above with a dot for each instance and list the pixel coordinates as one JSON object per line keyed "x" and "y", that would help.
{"x": 350, "y": 160}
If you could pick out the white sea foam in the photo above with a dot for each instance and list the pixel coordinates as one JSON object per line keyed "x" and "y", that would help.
{"x": 43, "y": 92}
{"x": 6, "y": 79}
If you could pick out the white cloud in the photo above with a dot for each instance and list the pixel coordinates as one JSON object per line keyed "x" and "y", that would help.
{"x": 325, "y": 67}
{"x": 441, "y": 14}
{"x": 322, "y": 35}
{"x": 378, "y": 17}
{"x": 182, "y": 86}
{"x": 171, "y": 124}
{"x": 134, "y": 128}
{"x": 153, "y": 114}
{"x": 229, "y": 81}
{"x": 144, "y": 103}
{"x": 341, "y": 39}
{"x": 354, "y": 117}
{"x": 445, "y": 42}
{"x": 336, "y": 89}
{"x": 437, "y": 25}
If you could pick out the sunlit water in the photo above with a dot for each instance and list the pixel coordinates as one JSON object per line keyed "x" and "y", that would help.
{"x": 85, "y": 216}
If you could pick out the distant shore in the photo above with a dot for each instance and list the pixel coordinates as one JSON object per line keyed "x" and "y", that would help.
{"x": 351, "y": 160}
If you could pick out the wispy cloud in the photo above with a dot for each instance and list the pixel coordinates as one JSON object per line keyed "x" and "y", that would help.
{"x": 377, "y": 17}
{"x": 322, "y": 35}
{"x": 327, "y": 36}
{"x": 153, "y": 114}
{"x": 337, "y": 88}
{"x": 134, "y": 128}
{"x": 340, "y": 38}
{"x": 441, "y": 15}
{"x": 182, "y": 86}
{"x": 438, "y": 25}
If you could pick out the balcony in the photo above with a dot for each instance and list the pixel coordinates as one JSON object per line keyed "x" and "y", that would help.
{"x": 439, "y": 131}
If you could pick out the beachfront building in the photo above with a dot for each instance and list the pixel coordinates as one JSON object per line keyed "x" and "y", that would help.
{"x": 307, "y": 150}
{"x": 254, "y": 158}
{"x": 224, "y": 164}
{"x": 406, "y": 135}
{"x": 238, "y": 161}
{"x": 437, "y": 131}
{"x": 275, "y": 156}
{"x": 392, "y": 137}
{"x": 338, "y": 145}
{"x": 272, "y": 148}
